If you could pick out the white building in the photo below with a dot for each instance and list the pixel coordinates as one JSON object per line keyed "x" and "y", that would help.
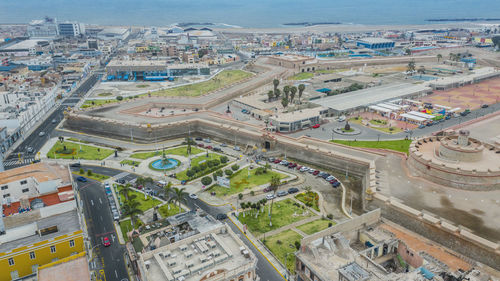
{"x": 46, "y": 28}
{"x": 70, "y": 29}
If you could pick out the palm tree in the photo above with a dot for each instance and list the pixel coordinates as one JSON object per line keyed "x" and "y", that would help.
{"x": 276, "y": 82}
{"x": 284, "y": 102}
{"x": 452, "y": 56}
{"x": 277, "y": 93}
{"x": 188, "y": 148}
{"x": 439, "y": 57}
{"x": 270, "y": 95}
{"x": 302, "y": 87}
{"x": 274, "y": 184}
{"x": 286, "y": 90}
{"x": 179, "y": 196}
{"x": 293, "y": 91}
{"x": 421, "y": 69}
{"x": 243, "y": 206}
{"x": 125, "y": 191}
{"x": 411, "y": 67}
{"x": 131, "y": 208}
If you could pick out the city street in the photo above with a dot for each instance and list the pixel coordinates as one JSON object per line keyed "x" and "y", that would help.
{"x": 264, "y": 269}
{"x": 34, "y": 140}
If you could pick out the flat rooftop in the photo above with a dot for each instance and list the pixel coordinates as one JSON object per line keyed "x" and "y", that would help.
{"x": 72, "y": 270}
{"x": 375, "y": 40}
{"x": 40, "y": 171}
{"x": 193, "y": 258}
{"x": 370, "y": 96}
{"x": 300, "y": 115}
{"x": 116, "y": 63}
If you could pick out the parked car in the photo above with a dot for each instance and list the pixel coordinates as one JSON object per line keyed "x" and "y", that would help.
{"x": 293, "y": 190}
{"x": 271, "y": 159}
{"x": 315, "y": 173}
{"x": 270, "y": 196}
{"x": 421, "y": 126}
{"x": 198, "y": 138}
{"x": 277, "y": 161}
{"x": 326, "y": 175}
{"x": 41, "y": 134}
{"x": 282, "y": 193}
{"x": 75, "y": 165}
{"x": 193, "y": 196}
{"x": 209, "y": 147}
{"x": 304, "y": 169}
{"x": 330, "y": 178}
{"x": 321, "y": 174}
{"x": 298, "y": 167}
{"x": 116, "y": 216}
{"x": 484, "y": 106}
{"x": 201, "y": 145}
{"x": 237, "y": 148}
{"x": 207, "y": 140}
{"x": 284, "y": 162}
{"x": 316, "y": 126}
{"x": 106, "y": 242}
{"x": 341, "y": 119}
{"x": 183, "y": 182}
{"x": 217, "y": 149}
{"x": 267, "y": 189}
{"x": 311, "y": 171}
{"x": 54, "y": 121}
{"x": 223, "y": 144}
{"x": 336, "y": 184}
{"x": 120, "y": 181}
{"x": 332, "y": 181}
{"x": 82, "y": 179}
{"x": 221, "y": 216}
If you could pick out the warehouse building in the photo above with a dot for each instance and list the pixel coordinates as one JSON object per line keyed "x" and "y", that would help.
{"x": 375, "y": 43}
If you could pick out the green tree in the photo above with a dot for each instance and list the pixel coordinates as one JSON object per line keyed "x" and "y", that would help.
{"x": 119, "y": 98}
{"x": 235, "y": 167}
{"x": 89, "y": 172}
{"x": 228, "y": 172}
{"x": 421, "y": 69}
{"x": 240, "y": 196}
{"x": 124, "y": 191}
{"x": 411, "y": 67}
{"x": 131, "y": 208}
{"x": 496, "y": 41}
{"x": 286, "y": 91}
{"x": 276, "y": 83}
{"x": 302, "y": 87}
{"x": 439, "y": 57}
{"x": 188, "y": 148}
{"x": 284, "y": 102}
{"x": 178, "y": 196}
{"x": 274, "y": 184}
{"x": 293, "y": 91}
{"x": 270, "y": 95}
{"x": 167, "y": 190}
{"x": 277, "y": 93}
{"x": 206, "y": 180}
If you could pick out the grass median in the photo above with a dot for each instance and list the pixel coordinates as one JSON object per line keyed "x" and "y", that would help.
{"x": 71, "y": 150}
{"x": 397, "y": 145}
{"x": 315, "y": 226}
{"x": 284, "y": 245}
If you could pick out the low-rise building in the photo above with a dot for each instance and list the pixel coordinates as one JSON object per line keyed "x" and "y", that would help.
{"x": 216, "y": 254}
{"x": 375, "y": 43}
{"x": 297, "y": 120}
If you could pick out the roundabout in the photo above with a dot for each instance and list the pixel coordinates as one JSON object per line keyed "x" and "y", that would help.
{"x": 164, "y": 164}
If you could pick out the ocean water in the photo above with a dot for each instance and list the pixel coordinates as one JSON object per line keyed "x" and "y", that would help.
{"x": 246, "y": 13}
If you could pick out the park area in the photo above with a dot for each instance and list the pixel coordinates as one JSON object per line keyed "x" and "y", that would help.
{"x": 93, "y": 103}
{"x": 315, "y": 226}
{"x": 221, "y": 80}
{"x": 310, "y": 199}
{"x": 203, "y": 165}
{"x": 182, "y": 151}
{"x": 397, "y": 145}
{"x": 241, "y": 181}
{"x": 146, "y": 202}
{"x": 285, "y": 212}
{"x": 284, "y": 244}
{"x": 71, "y": 150}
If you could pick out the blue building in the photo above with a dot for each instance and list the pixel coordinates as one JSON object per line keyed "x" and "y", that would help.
{"x": 375, "y": 43}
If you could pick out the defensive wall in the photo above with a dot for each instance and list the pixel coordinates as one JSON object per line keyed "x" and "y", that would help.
{"x": 452, "y": 173}
{"x": 432, "y": 227}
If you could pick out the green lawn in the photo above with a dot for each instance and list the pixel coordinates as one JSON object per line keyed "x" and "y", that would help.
{"x": 77, "y": 140}
{"x": 240, "y": 181}
{"x": 165, "y": 212}
{"x": 315, "y": 226}
{"x": 195, "y": 161}
{"x": 325, "y": 71}
{"x": 93, "y": 103}
{"x": 302, "y": 76}
{"x": 285, "y": 247}
{"x": 309, "y": 198}
{"x": 105, "y": 94}
{"x": 391, "y": 130}
{"x": 142, "y": 86}
{"x": 134, "y": 163}
{"x": 398, "y": 145}
{"x": 284, "y": 213}
{"x": 126, "y": 226}
{"x": 182, "y": 150}
{"x": 73, "y": 151}
{"x": 220, "y": 80}
{"x": 94, "y": 176}
{"x": 145, "y": 203}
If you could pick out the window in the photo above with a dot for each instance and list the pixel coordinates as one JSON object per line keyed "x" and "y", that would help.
{"x": 25, "y": 190}
{"x": 48, "y": 230}
{"x": 11, "y": 261}
{"x": 24, "y": 182}
{"x": 72, "y": 243}
{"x": 6, "y": 195}
{"x": 52, "y": 249}
{"x": 32, "y": 255}
{"x": 4, "y": 187}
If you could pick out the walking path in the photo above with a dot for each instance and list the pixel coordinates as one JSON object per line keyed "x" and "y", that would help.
{"x": 290, "y": 226}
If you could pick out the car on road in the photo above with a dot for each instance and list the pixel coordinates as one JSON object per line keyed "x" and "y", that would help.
{"x": 270, "y": 196}
{"x": 120, "y": 181}
{"x": 223, "y": 144}
{"x": 207, "y": 140}
{"x": 293, "y": 190}
{"x": 484, "y": 106}
{"x": 116, "y": 216}
{"x": 82, "y": 179}
{"x": 315, "y": 173}
{"x": 201, "y": 145}
{"x": 198, "y": 138}
{"x": 316, "y": 126}
{"x": 75, "y": 165}
{"x": 421, "y": 126}
{"x": 54, "y": 121}
{"x": 29, "y": 149}
{"x": 304, "y": 169}
{"x": 183, "y": 182}
{"x": 41, "y": 134}
{"x": 298, "y": 167}
{"x": 237, "y": 148}
{"x": 221, "y": 216}
{"x": 284, "y": 162}
{"x": 106, "y": 242}
{"x": 336, "y": 184}
{"x": 282, "y": 193}
{"x": 193, "y": 196}
{"x": 217, "y": 149}
{"x": 277, "y": 161}
{"x": 330, "y": 178}
{"x": 209, "y": 147}
{"x": 341, "y": 119}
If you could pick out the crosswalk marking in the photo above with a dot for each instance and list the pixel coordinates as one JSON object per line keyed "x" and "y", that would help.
{"x": 14, "y": 162}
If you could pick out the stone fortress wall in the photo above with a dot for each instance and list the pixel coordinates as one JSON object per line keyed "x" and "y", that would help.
{"x": 451, "y": 173}
{"x": 311, "y": 150}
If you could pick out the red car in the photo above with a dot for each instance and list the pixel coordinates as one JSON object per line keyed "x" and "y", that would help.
{"x": 201, "y": 145}
{"x": 332, "y": 181}
{"x": 276, "y": 161}
{"x": 298, "y": 167}
{"x": 316, "y": 172}
{"x": 316, "y": 126}
{"x": 209, "y": 147}
{"x": 106, "y": 242}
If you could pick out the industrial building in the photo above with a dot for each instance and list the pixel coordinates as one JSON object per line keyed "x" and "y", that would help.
{"x": 375, "y": 43}
{"x": 152, "y": 70}
{"x": 70, "y": 29}
{"x": 357, "y": 100}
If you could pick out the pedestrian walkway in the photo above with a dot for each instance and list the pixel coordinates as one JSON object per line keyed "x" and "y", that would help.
{"x": 287, "y": 227}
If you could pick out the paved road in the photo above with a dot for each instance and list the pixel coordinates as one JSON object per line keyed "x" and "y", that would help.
{"x": 325, "y": 131}
{"x": 99, "y": 225}
{"x": 264, "y": 269}
{"x": 47, "y": 126}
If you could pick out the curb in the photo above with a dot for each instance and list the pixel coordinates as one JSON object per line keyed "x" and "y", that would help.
{"x": 256, "y": 247}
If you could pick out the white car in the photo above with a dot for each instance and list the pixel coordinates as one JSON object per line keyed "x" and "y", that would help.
{"x": 193, "y": 196}
{"x": 270, "y": 196}
{"x": 284, "y": 162}
{"x": 107, "y": 185}
{"x": 304, "y": 169}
